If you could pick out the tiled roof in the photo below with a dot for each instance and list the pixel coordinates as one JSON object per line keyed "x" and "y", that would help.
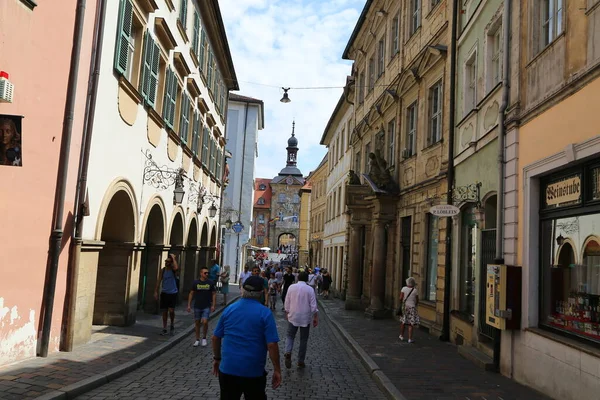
{"x": 265, "y": 194}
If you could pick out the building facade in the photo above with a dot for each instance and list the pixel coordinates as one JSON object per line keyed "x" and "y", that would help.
{"x": 337, "y": 139}
{"x": 31, "y": 126}
{"x": 284, "y": 229}
{"x": 261, "y": 212}
{"x": 478, "y": 117}
{"x": 303, "y": 243}
{"x": 551, "y": 215}
{"x": 245, "y": 118}
{"x": 398, "y": 87}
{"x": 318, "y": 202}
{"x": 160, "y": 115}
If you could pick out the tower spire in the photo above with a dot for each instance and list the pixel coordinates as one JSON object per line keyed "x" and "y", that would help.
{"x": 293, "y": 127}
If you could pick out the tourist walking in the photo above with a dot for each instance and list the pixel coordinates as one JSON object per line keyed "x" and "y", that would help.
{"x": 224, "y": 277}
{"x": 244, "y": 334}
{"x": 409, "y": 300}
{"x": 273, "y": 288}
{"x": 288, "y": 279}
{"x": 300, "y": 310}
{"x": 167, "y": 279}
{"x": 245, "y": 274}
{"x": 204, "y": 294}
{"x": 325, "y": 284}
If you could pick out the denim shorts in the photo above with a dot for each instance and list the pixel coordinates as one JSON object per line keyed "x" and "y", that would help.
{"x": 201, "y": 313}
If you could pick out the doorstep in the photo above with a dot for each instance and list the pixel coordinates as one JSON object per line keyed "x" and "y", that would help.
{"x": 480, "y": 359}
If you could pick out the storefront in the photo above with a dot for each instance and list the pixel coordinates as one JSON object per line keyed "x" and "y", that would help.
{"x": 570, "y": 252}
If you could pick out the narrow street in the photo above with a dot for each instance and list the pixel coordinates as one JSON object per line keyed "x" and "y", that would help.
{"x": 332, "y": 372}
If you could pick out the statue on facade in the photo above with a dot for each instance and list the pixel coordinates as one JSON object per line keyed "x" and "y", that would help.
{"x": 353, "y": 179}
{"x": 379, "y": 173}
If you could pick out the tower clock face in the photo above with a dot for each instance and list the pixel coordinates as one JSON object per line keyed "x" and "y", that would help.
{"x": 289, "y": 180}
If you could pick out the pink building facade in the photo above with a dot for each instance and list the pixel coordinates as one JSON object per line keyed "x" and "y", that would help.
{"x": 36, "y": 43}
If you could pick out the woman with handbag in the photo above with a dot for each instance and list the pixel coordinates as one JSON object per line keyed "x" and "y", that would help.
{"x": 409, "y": 299}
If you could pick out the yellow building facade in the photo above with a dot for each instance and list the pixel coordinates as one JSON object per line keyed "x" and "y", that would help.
{"x": 318, "y": 182}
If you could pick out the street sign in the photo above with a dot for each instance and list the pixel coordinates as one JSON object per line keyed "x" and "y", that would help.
{"x": 444, "y": 210}
{"x": 237, "y": 227}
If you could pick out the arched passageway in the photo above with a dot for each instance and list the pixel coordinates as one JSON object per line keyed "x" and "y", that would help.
{"x": 154, "y": 240}
{"x": 114, "y": 261}
{"x": 190, "y": 271}
{"x": 176, "y": 243}
{"x": 203, "y": 256}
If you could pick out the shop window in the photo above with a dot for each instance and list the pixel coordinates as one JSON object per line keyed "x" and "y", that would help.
{"x": 433, "y": 236}
{"x": 571, "y": 275}
{"x": 468, "y": 261}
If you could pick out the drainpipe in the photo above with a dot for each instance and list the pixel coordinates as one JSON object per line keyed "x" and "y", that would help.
{"x": 452, "y": 117}
{"x": 237, "y": 248}
{"x": 80, "y": 190}
{"x": 501, "y": 144}
{"x": 61, "y": 182}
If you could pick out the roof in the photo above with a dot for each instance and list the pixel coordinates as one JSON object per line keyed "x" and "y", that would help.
{"x": 307, "y": 186}
{"x": 251, "y": 100}
{"x": 357, "y": 28}
{"x": 337, "y": 109}
{"x": 265, "y": 194}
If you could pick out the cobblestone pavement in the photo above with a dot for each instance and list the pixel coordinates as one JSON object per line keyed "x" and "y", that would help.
{"x": 332, "y": 373}
{"x": 427, "y": 369}
{"x": 109, "y": 347}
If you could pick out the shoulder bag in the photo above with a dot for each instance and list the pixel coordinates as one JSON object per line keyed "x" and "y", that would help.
{"x": 400, "y": 311}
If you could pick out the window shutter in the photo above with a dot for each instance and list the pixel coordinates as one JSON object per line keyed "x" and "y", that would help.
{"x": 173, "y": 99}
{"x": 210, "y": 69}
{"x": 167, "y": 98}
{"x": 212, "y": 156}
{"x": 202, "y": 54}
{"x": 205, "y": 147}
{"x": 196, "y": 35}
{"x": 183, "y": 13}
{"x": 154, "y": 71}
{"x": 195, "y": 133}
{"x": 184, "y": 121}
{"x": 123, "y": 36}
{"x": 146, "y": 60}
{"x": 219, "y": 164}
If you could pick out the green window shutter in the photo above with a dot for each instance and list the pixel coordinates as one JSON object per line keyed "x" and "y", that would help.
{"x": 218, "y": 169}
{"x": 124, "y": 37}
{"x": 167, "y": 99}
{"x": 217, "y": 88}
{"x": 205, "y": 147}
{"x": 202, "y": 55}
{"x": 210, "y": 69}
{"x": 146, "y": 56}
{"x": 195, "y": 133}
{"x": 212, "y": 156}
{"x": 154, "y": 72}
{"x": 184, "y": 121}
{"x": 173, "y": 99}
{"x": 196, "y": 35}
{"x": 183, "y": 13}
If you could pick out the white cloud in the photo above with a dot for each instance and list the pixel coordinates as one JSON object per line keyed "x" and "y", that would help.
{"x": 291, "y": 43}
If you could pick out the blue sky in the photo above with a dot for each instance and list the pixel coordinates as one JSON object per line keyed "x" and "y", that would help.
{"x": 290, "y": 43}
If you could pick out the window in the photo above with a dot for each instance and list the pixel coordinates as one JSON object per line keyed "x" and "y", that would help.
{"x": 411, "y": 130}
{"x": 357, "y": 164}
{"x": 210, "y": 73}
{"x": 184, "y": 118}
{"x": 261, "y": 216}
{"x": 170, "y": 99}
{"x": 367, "y": 152}
{"x": 150, "y": 69}
{"x": 468, "y": 261}
{"x": 371, "y": 74}
{"x": 415, "y": 15}
{"x": 470, "y": 83}
{"x": 219, "y": 167}
{"x": 296, "y": 199}
{"x": 551, "y": 19}
{"x": 494, "y": 59}
{"x": 205, "y": 147}
{"x": 213, "y": 157}
{"x": 380, "y": 58}
{"x": 203, "y": 50}
{"x": 129, "y": 38}
{"x": 196, "y": 34}
{"x": 435, "y": 113}
{"x": 261, "y": 201}
{"x": 281, "y": 198}
{"x": 262, "y": 186}
{"x": 391, "y": 131}
{"x": 432, "y": 257}
{"x": 361, "y": 87}
{"x": 395, "y": 35}
{"x": 196, "y": 134}
{"x": 183, "y": 13}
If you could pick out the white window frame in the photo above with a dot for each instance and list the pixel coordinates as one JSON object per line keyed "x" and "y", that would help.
{"x": 392, "y": 142}
{"x": 435, "y": 113}
{"x": 494, "y": 56}
{"x": 395, "y": 36}
{"x": 551, "y": 21}
{"x": 371, "y": 73}
{"x": 380, "y": 57}
{"x": 414, "y": 15}
{"x": 412, "y": 118}
{"x": 470, "y": 83}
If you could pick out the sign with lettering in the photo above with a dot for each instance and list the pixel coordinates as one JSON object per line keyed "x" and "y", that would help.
{"x": 444, "y": 210}
{"x": 563, "y": 192}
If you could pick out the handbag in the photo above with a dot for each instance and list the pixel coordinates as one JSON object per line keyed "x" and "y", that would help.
{"x": 400, "y": 311}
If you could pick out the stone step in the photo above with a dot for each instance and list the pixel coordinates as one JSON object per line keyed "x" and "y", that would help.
{"x": 486, "y": 348}
{"x": 478, "y": 358}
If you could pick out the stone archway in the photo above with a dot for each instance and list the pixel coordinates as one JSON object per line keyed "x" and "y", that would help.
{"x": 213, "y": 246}
{"x": 190, "y": 268}
{"x": 114, "y": 262}
{"x": 151, "y": 263}
{"x": 176, "y": 241}
{"x": 286, "y": 239}
{"x": 204, "y": 253}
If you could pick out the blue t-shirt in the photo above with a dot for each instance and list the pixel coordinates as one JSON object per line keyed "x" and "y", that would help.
{"x": 169, "y": 283}
{"x": 246, "y": 328}
{"x": 213, "y": 273}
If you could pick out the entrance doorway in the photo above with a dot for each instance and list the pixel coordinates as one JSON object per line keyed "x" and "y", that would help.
{"x": 154, "y": 238}
{"x": 190, "y": 270}
{"x": 405, "y": 235}
{"x": 114, "y": 261}
{"x": 176, "y": 243}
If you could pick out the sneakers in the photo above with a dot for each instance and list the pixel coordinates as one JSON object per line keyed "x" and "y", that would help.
{"x": 204, "y": 342}
{"x": 288, "y": 360}
{"x": 196, "y": 343}
{"x": 164, "y": 332}
{"x": 401, "y": 337}
{"x": 301, "y": 365}
{"x": 410, "y": 341}
{"x": 172, "y": 330}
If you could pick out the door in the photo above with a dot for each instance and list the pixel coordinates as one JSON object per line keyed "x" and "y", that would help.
{"x": 488, "y": 254}
{"x": 405, "y": 234}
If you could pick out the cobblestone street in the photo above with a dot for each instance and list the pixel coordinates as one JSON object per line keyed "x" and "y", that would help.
{"x": 332, "y": 372}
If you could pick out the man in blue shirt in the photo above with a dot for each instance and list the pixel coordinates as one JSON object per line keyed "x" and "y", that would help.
{"x": 214, "y": 272}
{"x": 168, "y": 294}
{"x": 244, "y": 334}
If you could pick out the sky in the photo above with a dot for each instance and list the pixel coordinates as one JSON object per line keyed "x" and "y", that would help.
{"x": 297, "y": 44}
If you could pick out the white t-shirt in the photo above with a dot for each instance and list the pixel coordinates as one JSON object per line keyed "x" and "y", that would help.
{"x": 412, "y": 300}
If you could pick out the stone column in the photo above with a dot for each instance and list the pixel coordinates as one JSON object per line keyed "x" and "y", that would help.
{"x": 353, "y": 295}
{"x": 376, "y": 308}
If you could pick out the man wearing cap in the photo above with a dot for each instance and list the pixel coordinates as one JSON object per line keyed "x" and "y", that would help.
{"x": 244, "y": 334}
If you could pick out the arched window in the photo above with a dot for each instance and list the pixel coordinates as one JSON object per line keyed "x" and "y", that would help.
{"x": 261, "y": 201}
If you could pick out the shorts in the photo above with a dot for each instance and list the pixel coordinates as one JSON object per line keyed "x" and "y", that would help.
{"x": 168, "y": 300}
{"x": 201, "y": 313}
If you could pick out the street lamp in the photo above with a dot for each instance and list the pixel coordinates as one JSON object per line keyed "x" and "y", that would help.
{"x": 212, "y": 210}
{"x": 286, "y": 97}
{"x": 178, "y": 192}
{"x": 228, "y": 223}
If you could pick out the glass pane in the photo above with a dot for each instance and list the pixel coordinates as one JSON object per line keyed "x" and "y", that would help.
{"x": 571, "y": 275}
{"x": 432, "y": 257}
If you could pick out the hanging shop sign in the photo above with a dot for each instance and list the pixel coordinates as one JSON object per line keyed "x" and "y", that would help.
{"x": 444, "y": 210}
{"x": 567, "y": 191}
